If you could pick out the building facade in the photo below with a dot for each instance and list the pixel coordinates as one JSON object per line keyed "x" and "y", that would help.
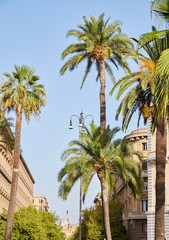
{"x": 67, "y": 228}
{"x": 40, "y": 202}
{"x": 135, "y": 211}
{"x": 25, "y": 182}
{"x": 151, "y": 185}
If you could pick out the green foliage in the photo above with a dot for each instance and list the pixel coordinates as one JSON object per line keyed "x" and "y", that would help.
{"x": 96, "y": 152}
{"x": 94, "y": 231}
{"x": 97, "y": 38}
{"x": 117, "y": 228}
{"x": 92, "y": 223}
{"x": 92, "y": 218}
{"x": 31, "y": 225}
{"x": 149, "y": 87}
{"x": 3, "y": 218}
{"x": 6, "y": 137}
{"x": 22, "y": 88}
{"x": 160, "y": 9}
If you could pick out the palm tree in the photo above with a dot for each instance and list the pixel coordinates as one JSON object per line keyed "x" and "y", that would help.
{"x": 6, "y": 135}
{"x": 148, "y": 89}
{"x": 96, "y": 153}
{"x": 98, "y": 42}
{"x": 160, "y": 9}
{"x": 20, "y": 92}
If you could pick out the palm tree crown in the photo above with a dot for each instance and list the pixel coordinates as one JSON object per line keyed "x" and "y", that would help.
{"x": 96, "y": 153}
{"x": 97, "y": 41}
{"x": 21, "y": 89}
{"x": 146, "y": 88}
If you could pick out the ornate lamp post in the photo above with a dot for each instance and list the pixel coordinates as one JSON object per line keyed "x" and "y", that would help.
{"x": 81, "y": 119}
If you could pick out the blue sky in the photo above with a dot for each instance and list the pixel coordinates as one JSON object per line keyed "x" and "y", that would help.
{"x": 33, "y": 32}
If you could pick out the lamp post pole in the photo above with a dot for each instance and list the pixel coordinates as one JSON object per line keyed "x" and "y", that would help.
{"x": 81, "y": 119}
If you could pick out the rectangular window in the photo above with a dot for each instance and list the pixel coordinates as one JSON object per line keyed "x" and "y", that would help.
{"x": 144, "y": 205}
{"x": 144, "y": 165}
{"x": 40, "y": 209}
{"x": 144, "y": 227}
{"x": 144, "y": 146}
{"x": 145, "y": 186}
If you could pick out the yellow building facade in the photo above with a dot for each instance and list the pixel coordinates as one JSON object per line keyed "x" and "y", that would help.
{"x": 40, "y": 203}
{"x": 134, "y": 213}
{"x": 25, "y": 182}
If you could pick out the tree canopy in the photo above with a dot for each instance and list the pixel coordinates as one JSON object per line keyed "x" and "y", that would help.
{"x": 97, "y": 39}
{"x": 31, "y": 225}
{"x": 92, "y": 223}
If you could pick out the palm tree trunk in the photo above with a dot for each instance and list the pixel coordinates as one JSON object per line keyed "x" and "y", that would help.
{"x": 161, "y": 143}
{"x": 15, "y": 172}
{"x": 102, "y": 95}
{"x": 105, "y": 209}
{"x": 104, "y": 190}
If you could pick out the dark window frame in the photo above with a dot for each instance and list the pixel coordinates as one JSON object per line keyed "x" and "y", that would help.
{"x": 144, "y": 205}
{"x": 145, "y": 185}
{"x": 144, "y": 146}
{"x": 144, "y": 227}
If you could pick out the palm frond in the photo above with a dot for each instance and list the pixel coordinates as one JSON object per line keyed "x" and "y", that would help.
{"x": 94, "y": 152}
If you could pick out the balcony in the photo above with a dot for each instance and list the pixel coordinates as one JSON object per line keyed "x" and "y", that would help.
{"x": 134, "y": 215}
{"x": 144, "y": 173}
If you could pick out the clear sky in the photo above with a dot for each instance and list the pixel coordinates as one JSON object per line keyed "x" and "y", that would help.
{"x": 33, "y": 32}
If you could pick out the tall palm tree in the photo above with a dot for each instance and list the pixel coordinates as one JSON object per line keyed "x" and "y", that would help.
{"x": 98, "y": 42}
{"x": 160, "y": 116}
{"x": 96, "y": 153}
{"x": 22, "y": 93}
{"x": 148, "y": 89}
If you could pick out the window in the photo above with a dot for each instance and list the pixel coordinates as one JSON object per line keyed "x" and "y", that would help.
{"x": 144, "y": 146}
{"x": 145, "y": 186}
{"x": 144, "y": 166}
{"x": 144, "y": 205}
{"x": 144, "y": 227}
{"x": 40, "y": 209}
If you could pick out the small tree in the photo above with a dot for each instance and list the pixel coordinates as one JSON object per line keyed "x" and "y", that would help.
{"x": 92, "y": 223}
{"x": 94, "y": 231}
{"x": 31, "y": 225}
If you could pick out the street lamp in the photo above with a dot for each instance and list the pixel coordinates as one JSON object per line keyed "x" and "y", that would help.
{"x": 81, "y": 119}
